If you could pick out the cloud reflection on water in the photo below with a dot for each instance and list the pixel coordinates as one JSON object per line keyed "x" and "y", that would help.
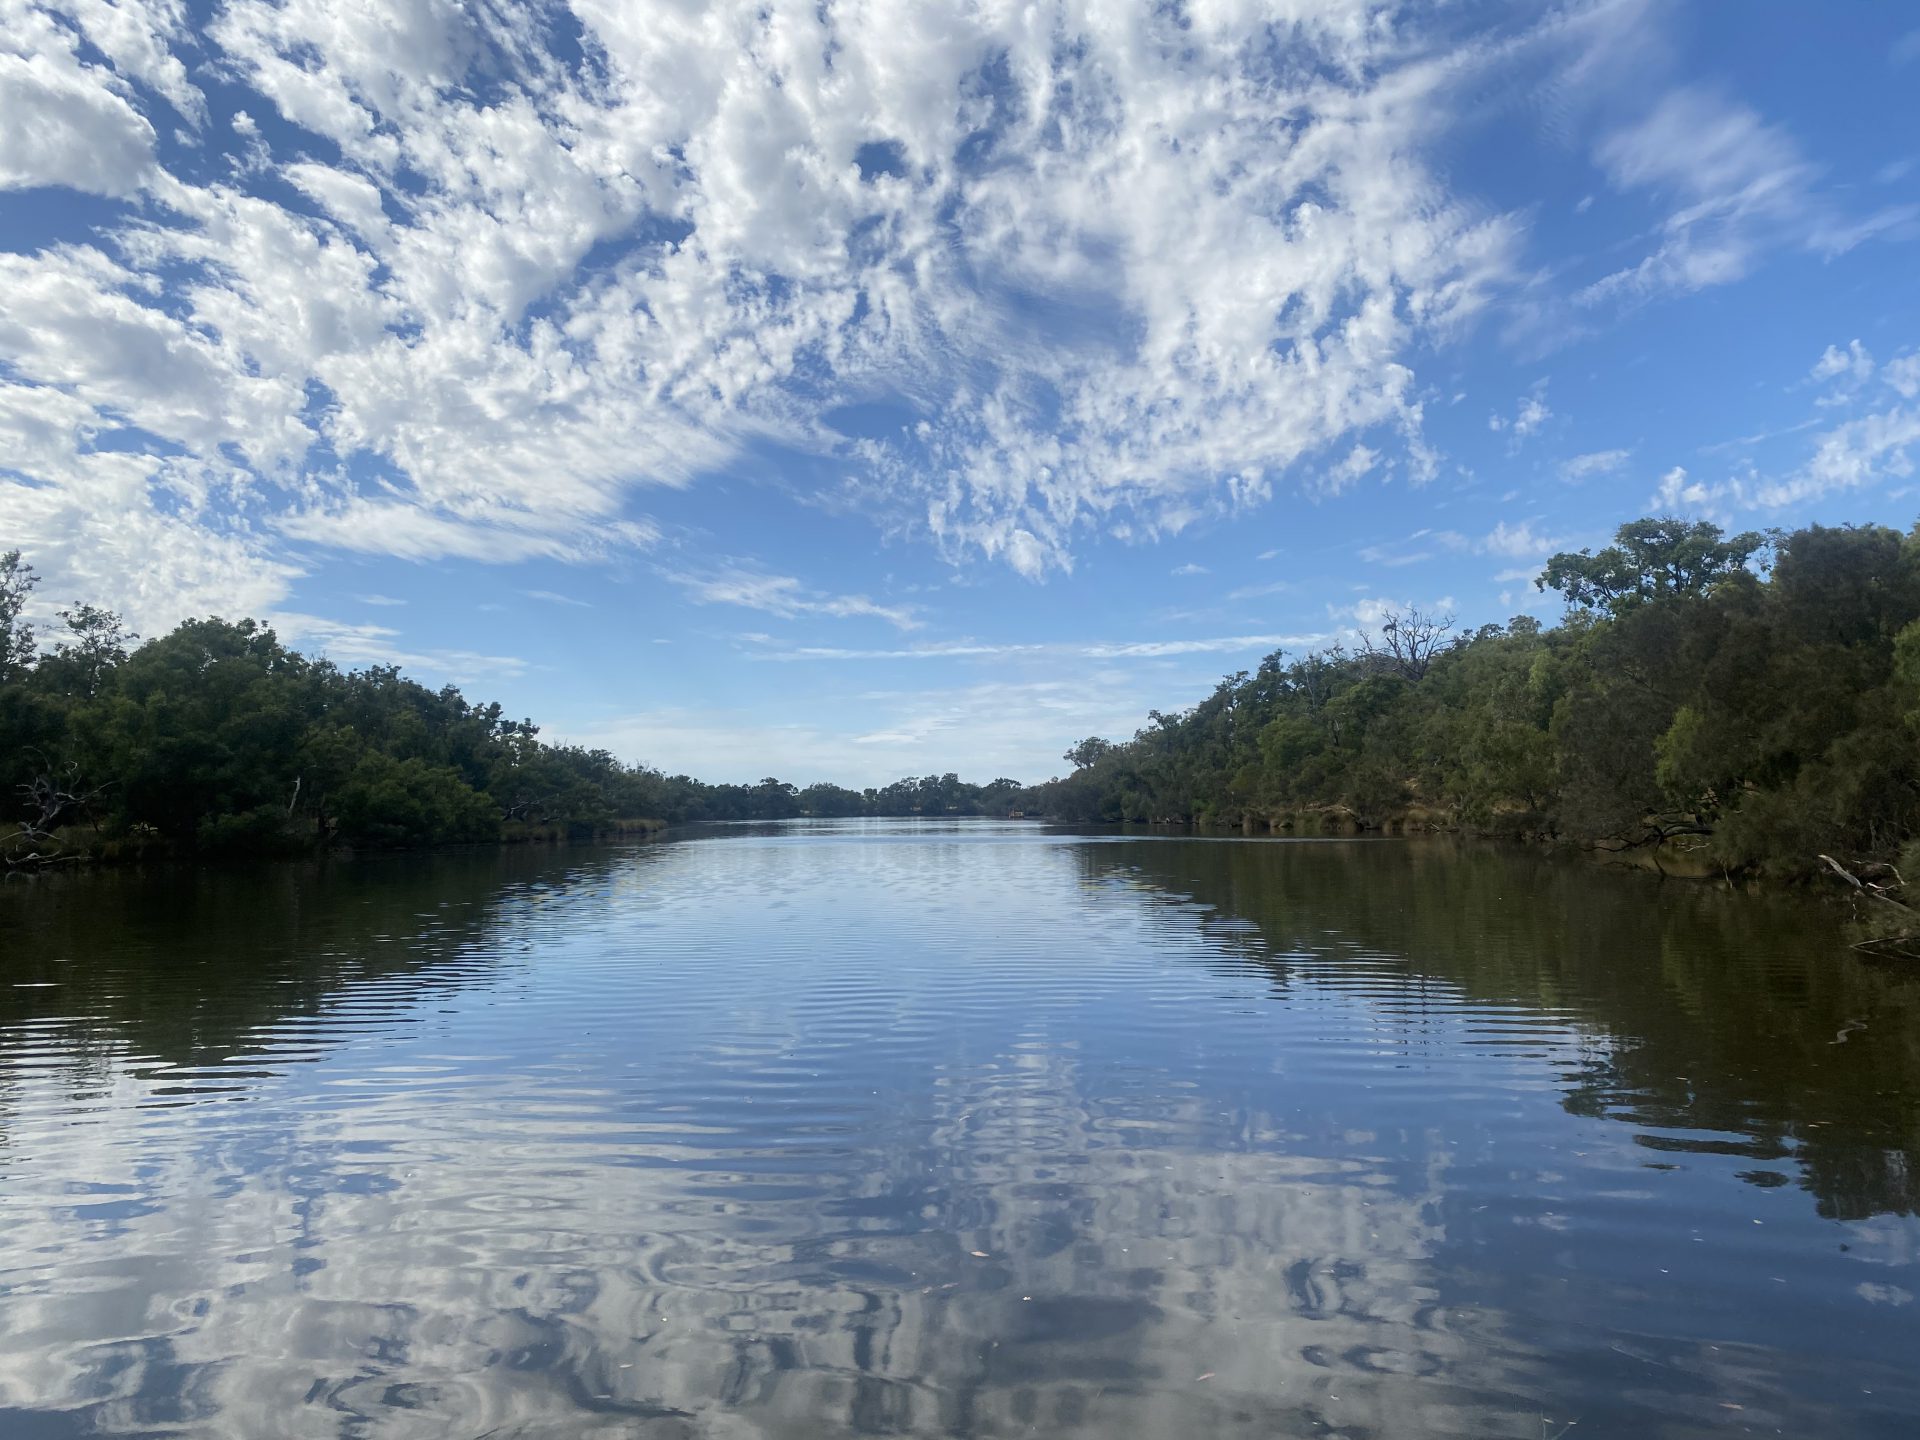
{"x": 701, "y": 1139}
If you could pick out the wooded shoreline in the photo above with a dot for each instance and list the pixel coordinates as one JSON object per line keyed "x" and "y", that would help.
{"x": 1742, "y": 705}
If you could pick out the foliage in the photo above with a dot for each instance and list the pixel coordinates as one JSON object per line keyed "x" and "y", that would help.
{"x": 1691, "y": 698}
{"x": 16, "y": 635}
{"x": 1754, "y": 700}
{"x": 1656, "y": 559}
{"x": 216, "y": 739}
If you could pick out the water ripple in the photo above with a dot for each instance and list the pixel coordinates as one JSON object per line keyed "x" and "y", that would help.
{"x": 948, "y": 1129}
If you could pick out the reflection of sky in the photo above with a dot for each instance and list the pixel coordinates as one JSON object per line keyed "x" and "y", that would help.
{"x": 705, "y": 1142}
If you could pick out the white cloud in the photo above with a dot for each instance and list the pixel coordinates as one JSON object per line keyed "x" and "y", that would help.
{"x": 1415, "y": 548}
{"x": 1018, "y": 728}
{"x": 1597, "y": 462}
{"x": 1189, "y": 569}
{"x": 785, "y": 596}
{"x": 1740, "y": 442}
{"x": 1225, "y": 644}
{"x": 1853, "y": 363}
{"x": 1680, "y": 494}
{"x": 496, "y": 533}
{"x": 953, "y": 650}
{"x": 126, "y": 531}
{"x": 1861, "y": 452}
{"x": 1520, "y": 541}
{"x": 1016, "y": 724}
{"x": 1357, "y": 464}
{"x": 1261, "y": 590}
{"x": 1739, "y": 187}
{"x": 1393, "y": 559}
{"x": 66, "y": 122}
{"x": 1858, "y": 453}
{"x": 1871, "y": 1291}
{"x": 1903, "y": 374}
{"x": 1085, "y": 650}
{"x": 79, "y": 320}
{"x": 428, "y": 316}
{"x": 1864, "y": 450}
{"x": 350, "y": 646}
{"x": 139, "y": 38}
{"x": 1365, "y": 616}
{"x": 1530, "y": 413}
{"x": 483, "y": 295}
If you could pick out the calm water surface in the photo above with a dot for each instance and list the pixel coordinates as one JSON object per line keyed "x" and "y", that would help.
{"x": 961, "y": 1129}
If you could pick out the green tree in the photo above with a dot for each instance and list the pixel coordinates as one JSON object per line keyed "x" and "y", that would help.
{"x": 390, "y": 802}
{"x": 1650, "y": 560}
{"x": 94, "y": 646}
{"x": 17, "y": 580}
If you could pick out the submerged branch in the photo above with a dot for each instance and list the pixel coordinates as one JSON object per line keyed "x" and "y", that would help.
{"x": 1903, "y": 943}
{"x": 1874, "y": 892}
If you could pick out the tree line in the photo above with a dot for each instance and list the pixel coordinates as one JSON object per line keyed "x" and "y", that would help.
{"x": 1751, "y": 699}
{"x": 218, "y": 739}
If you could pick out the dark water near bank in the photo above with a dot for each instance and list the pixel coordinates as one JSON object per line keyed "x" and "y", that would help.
{"x": 950, "y": 1130}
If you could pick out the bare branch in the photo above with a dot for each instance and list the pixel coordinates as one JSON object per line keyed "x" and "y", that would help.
{"x": 1873, "y": 892}
{"x": 1410, "y": 641}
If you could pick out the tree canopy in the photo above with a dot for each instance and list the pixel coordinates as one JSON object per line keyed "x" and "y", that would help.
{"x": 218, "y": 739}
{"x": 1657, "y": 559}
{"x": 1754, "y": 697}
{"x": 1691, "y": 695}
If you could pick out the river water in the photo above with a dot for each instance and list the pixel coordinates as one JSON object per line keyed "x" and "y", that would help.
{"x": 951, "y": 1129}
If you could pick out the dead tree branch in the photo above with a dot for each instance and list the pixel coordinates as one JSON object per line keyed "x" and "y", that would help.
{"x": 1410, "y": 641}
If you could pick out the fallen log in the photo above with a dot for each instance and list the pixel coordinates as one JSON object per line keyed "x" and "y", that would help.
{"x": 1904, "y": 943}
{"x": 1875, "y": 892}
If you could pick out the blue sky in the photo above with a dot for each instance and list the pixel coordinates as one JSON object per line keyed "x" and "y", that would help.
{"x": 847, "y": 391}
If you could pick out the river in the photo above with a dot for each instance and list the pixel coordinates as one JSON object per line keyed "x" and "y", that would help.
{"x": 951, "y": 1129}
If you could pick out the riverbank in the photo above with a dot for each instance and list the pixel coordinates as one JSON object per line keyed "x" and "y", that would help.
{"x": 1880, "y": 922}
{"x": 24, "y": 851}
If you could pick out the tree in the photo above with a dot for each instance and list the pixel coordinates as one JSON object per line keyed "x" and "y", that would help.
{"x": 775, "y": 799}
{"x": 1089, "y": 752}
{"x": 1848, "y": 586}
{"x": 1650, "y": 560}
{"x": 16, "y": 635}
{"x": 97, "y": 641}
{"x": 409, "y": 802}
{"x": 1409, "y": 641}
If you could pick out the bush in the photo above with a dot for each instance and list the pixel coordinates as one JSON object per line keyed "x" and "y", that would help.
{"x": 258, "y": 832}
{"x": 388, "y": 802}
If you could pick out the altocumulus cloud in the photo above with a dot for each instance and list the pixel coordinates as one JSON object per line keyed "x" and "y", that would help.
{"x": 442, "y": 280}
